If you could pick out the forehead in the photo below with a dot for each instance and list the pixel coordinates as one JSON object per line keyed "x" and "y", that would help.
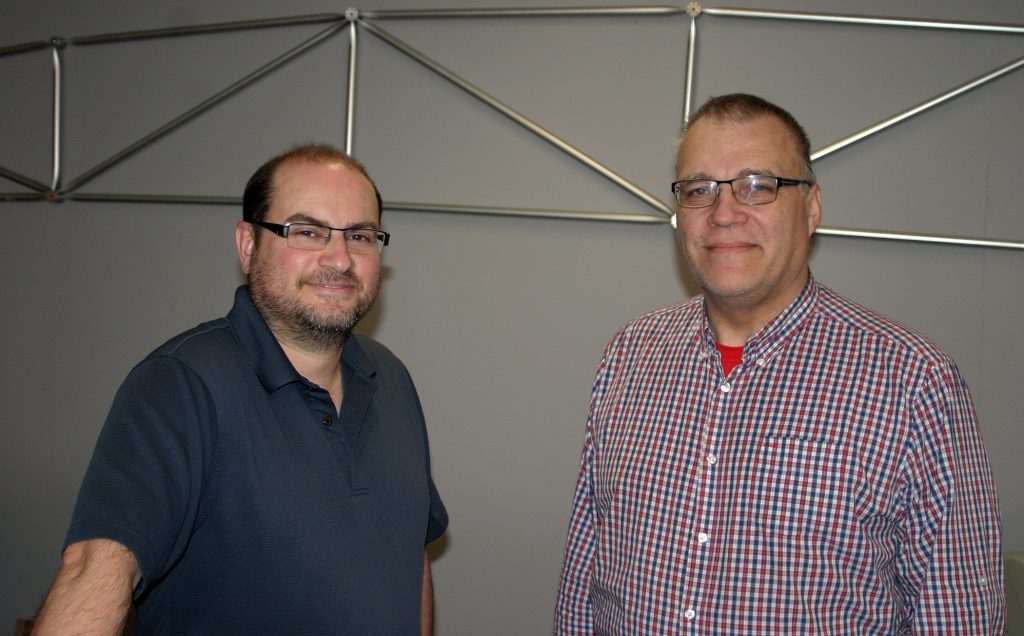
{"x": 321, "y": 188}
{"x": 725, "y": 149}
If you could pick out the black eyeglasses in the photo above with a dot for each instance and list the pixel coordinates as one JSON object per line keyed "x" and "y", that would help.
{"x": 315, "y": 237}
{"x": 755, "y": 189}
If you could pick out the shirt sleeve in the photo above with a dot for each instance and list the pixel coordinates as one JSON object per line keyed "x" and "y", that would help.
{"x": 144, "y": 483}
{"x": 437, "y": 524}
{"x": 573, "y": 612}
{"x": 437, "y": 521}
{"x": 952, "y": 561}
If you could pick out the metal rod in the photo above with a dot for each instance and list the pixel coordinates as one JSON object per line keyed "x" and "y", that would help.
{"x": 23, "y": 180}
{"x": 520, "y": 119}
{"x": 206, "y": 105}
{"x": 22, "y": 196}
{"x": 921, "y": 238}
{"x": 866, "y": 20}
{"x": 691, "y": 51}
{"x": 649, "y": 218}
{"x": 350, "y": 94}
{"x": 524, "y": 212}
{"x": 154, "y": 198}
{"x": 42, "y": 193}
{"x": 219, "y": 27}
{"x": 23, "y": 48}
{"x": 58, "y": 112}
{"x": 521, "y": 13}
{"x": 618, "y": 217}
{"x": 916, "y": 110}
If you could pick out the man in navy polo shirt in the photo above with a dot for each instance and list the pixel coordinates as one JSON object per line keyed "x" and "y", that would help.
{"x": 266, "y": 472}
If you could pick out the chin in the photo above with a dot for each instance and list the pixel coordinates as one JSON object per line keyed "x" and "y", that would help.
{"x": 339, "y": 319}
{"x": 727, "y": 286}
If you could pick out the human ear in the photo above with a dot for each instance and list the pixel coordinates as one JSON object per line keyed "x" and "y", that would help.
{"x": 245, "y": 241}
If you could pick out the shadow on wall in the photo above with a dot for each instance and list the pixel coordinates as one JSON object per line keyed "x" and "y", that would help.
{"x": 1013, "y": 564}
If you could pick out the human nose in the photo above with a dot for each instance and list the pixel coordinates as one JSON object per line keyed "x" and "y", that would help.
{"x": 336, "y": 253}
{"x": 726, "y": 210}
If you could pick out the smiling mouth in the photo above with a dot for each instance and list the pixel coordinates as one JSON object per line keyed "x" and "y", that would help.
{"x": 723, "y": 247}
{"x": 333, "y": 287}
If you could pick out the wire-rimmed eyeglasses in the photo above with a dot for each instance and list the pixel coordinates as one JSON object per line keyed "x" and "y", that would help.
{"x": 315, "y": 237}
{"x": 755, "y": 189}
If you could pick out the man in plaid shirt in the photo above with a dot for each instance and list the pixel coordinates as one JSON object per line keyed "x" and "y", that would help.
{"x": 770, "y": 457}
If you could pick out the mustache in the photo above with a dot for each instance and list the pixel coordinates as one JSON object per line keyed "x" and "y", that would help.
{"x": 328, "y": 276}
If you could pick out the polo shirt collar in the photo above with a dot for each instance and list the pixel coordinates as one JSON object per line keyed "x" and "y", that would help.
{"x": 269, "y": 361}
{"x": 353, "y": 358}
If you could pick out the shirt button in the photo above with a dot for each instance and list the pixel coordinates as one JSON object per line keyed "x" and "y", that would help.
{"x": 712, "y": 459}
{"x": 702, "y": 537}
{"x": 726, "y": 387}
{"x": 328, "y": 420}
{"x": 689, "y": 614}
{"x": 761, "y": 362}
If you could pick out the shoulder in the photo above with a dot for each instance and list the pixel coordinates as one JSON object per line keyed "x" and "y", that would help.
{"x": 214, "y": 337}
{"x": 672, "y": 322}
{"x": 378, "y": 355}
{"x": 848, "y": 315}
{"x": 371, "y": 358}
{"x": 208, "y": 353}
{"x": 663, "y": 334}
{"x": 374, "y": 350}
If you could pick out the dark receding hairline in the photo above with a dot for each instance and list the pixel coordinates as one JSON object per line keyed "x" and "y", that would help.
{"x": 259, "y": 190}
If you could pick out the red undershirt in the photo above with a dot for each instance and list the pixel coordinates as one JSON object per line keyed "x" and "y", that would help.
{"x": 731, "y": 357}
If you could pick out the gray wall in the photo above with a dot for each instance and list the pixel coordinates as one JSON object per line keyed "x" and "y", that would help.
{"x": 501, "y": 320}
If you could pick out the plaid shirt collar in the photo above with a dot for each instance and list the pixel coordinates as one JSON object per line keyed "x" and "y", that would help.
{"x": 766, "y": 342}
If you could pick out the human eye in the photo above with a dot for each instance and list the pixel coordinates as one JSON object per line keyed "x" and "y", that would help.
{"x": 361, "y": 236}
{"x": 306, "y": 231}
{"x": 696, "y": 191}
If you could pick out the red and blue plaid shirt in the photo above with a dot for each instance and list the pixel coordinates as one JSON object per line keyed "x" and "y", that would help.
{"x": 834, "y": 483}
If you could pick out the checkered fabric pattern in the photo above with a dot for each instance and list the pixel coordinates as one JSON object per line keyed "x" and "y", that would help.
{"x": 834, "y": 483}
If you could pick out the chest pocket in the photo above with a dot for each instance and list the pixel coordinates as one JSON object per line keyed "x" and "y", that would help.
{"x": 804, "y": 488}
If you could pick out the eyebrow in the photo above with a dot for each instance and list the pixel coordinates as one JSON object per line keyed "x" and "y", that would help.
{"x": 743, "y": 173}
{"x": 301, "y": 217}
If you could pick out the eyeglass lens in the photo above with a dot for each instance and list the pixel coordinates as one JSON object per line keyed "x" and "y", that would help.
{"x": 750, "y": 190}
{"x": 305, "y": 236}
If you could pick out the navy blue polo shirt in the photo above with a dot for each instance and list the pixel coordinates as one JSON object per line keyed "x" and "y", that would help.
{"x": 250, "y": 503}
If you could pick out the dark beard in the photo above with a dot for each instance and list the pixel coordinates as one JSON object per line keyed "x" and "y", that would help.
{"x": 297, "y": 324}
{"x": 306, "y": 330}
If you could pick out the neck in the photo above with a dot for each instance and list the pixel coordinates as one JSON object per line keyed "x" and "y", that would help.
{"x": 735, "y": 320}
{"x": 731, "y": 328}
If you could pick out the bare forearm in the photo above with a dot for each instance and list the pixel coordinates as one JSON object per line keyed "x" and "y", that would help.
{"x": 427, "y": 600}
{"x": 92, "y": 593}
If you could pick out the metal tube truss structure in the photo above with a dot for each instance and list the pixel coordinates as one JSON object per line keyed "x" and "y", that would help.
{"x": 352, "y": 21}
